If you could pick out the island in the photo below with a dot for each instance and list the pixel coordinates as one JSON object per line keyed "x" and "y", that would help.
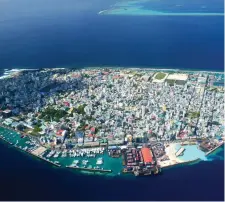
{"x": 113, "y": 121}
{"x": 163, "y": 8}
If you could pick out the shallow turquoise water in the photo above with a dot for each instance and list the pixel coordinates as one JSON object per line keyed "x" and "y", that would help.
{"x": 168, "y": 8}
{"x": 191, "y": 153}
{"x": 114, "y": 164}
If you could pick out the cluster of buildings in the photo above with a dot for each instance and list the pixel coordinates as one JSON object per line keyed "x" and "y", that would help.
{"x": 140, "y": 161}
{"x": 91, "y": 107}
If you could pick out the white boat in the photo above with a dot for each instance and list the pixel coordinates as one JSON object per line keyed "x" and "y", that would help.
{"x": 76, "y": 161}
{"x": 84, "y": 162}
{"x": 50, "y": 154}
{"x": 99, "y": 161}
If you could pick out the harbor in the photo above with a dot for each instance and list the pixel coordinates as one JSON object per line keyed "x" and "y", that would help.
{"x": 101, "y": 162}
{"x": 211, "y": 151}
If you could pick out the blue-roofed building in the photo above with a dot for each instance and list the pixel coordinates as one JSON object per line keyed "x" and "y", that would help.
{"x": 80, "y": 137}
{"x": 79, "y": 134}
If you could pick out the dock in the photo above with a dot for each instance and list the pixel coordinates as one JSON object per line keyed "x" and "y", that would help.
{"x": 55, "y": 164}
{"x": 90, "y": 169}
{"x": 35, "y": 153}
{"x": 5, "y": 140}
{"x": 209, "y": 152}
{"x": 180, "y": 151}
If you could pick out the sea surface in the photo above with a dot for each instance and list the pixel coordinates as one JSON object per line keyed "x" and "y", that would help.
{"x": 55, "y": 33}
{"x": 70, "y": 33}
{"x": 27, "y": 178}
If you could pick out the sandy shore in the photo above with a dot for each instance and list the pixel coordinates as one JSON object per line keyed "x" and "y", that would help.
{"x": 170, "y": 152}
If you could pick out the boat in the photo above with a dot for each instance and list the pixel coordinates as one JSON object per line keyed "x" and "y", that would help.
{"x": 99, "y": 161}
{"x": 50, "y": 154}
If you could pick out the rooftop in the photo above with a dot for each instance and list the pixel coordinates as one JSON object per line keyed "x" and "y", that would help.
{"x": 179, "y": 77}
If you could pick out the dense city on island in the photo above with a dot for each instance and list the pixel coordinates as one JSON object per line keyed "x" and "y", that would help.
{"x": 131, "y": 113}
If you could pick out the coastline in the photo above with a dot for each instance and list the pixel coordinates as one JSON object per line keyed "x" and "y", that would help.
{"x": 145, "y": 68}
{"x": 142, "y": 12}
{"x": 174, "y": 161}
{"x": 213, "y": 150}
{"x": 30, "y": 153}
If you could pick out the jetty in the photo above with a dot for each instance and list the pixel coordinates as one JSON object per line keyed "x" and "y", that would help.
{"x": 180, "y": 151}
{"x": 209, "y": 152}
{"x": 5, "y": 140}
{"x": 42, "y": 158}
{"x": 90, "y": 169}
{"x": 35, "y": 153}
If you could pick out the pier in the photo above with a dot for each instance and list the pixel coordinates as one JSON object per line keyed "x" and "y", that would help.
{"x": 55, "y": 164}
{"x": 40, "y": 149}
{"x": 5, "y": 140}
{"x": 90, "y": 169}
{"x": 180, "y": 151}
{"x": 209, "y": 152}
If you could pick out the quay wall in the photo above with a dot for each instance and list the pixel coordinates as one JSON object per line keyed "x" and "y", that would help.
{"x": 181, "y": 163}
{"x": 91, "y": 169}
{"x": 17, "y": 131}
{"x": 30, "y": 152}
{"x": 214, "y": 149}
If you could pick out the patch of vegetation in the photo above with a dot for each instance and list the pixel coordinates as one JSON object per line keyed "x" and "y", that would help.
{"x": 80, "y": 109}
{"x": 110, "y": 86}
{"x": 170, "y": 82}
{"x": 194, "y": 115}
{"x": 86, "y": 76}
{"x": 52, "y": 114}
{"x": 214, "y": 89}
{"x": 160, "y": 76}
{"x": 37, "y": 129}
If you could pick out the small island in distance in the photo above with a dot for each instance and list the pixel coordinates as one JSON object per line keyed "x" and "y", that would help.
{"x": 113, "y": 120}
{"x": 165, "y": 8}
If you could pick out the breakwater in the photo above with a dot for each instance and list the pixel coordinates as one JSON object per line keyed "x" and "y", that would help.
{"x": 90, "y": 169}
{"x": 44, "y": 159}
{"x": 209, "y": 152}
{"x": 5, "y": 140}
{"x": 181, "y": 163}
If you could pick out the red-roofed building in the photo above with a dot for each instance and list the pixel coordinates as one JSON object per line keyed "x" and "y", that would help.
{"x": 92, "y": 129}
{"x": 66, "y": 104}
{"x": 147, "y": 155}
{"x": 61, "y": 133}
{"x": 90, "y": 135}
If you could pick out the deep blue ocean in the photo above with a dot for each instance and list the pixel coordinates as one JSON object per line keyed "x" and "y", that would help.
{"x": 26, "y": 178}
{"x": 53, "y": 33}
{"x": 56, "y": 33}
